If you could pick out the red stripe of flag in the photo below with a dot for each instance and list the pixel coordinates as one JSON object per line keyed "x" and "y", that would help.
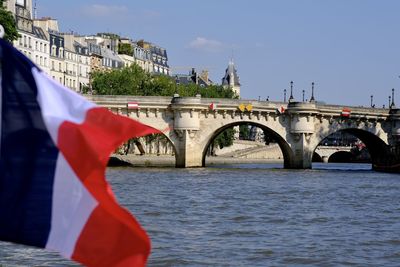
{"x": 111, "y": 237}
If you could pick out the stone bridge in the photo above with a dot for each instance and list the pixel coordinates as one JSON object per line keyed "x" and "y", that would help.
{"x": 192, "y": 123}
{"x": 325, "y": 152}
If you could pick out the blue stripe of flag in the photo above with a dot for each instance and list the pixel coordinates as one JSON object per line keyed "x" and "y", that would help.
{"x": 28, "y": 155}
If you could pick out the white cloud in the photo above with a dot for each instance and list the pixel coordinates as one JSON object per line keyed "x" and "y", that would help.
{"x": 97, "y": 10}
{"x": 208, "y": 45}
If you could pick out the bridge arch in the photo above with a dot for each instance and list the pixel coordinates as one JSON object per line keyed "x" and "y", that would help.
{"x": 340, "y": 157}
{"x": 316, "y": 157}
{"x": 377, "y": 147}
{"x": 281, "y": 141}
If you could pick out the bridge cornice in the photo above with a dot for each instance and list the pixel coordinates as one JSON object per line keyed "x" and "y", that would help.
{"x": 231, "y": 105}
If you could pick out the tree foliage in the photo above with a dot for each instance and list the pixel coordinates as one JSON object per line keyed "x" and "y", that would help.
{"x": 110, "y": 35}
{"x": 244, "y": 132}
{"x": 225, "y": 138}
{"x": 125, "y": 49}
{"x": 8, "y": 22}
{"x": 133, "y": 80}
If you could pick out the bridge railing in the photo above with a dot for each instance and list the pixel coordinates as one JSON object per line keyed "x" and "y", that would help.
{"x": 121, "y": 101}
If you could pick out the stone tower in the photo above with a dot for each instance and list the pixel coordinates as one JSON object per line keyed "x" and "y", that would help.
{"x": 231, "y": 79}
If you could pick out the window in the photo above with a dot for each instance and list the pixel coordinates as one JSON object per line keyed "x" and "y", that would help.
{"x": 20, "y": 2}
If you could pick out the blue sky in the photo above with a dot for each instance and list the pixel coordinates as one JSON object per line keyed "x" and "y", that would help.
{"x": 349, "y": 48}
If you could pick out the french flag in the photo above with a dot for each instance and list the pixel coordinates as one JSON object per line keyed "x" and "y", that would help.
{"x": 54, "y": 148}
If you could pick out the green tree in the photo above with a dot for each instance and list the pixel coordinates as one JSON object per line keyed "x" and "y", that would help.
{"x": 130, "y": 80}
{"x": 8, "y": 22}
{"x": 225, "y": 138}
{"x": 110, "y": 35}
{"x": 244, "y": 132}
{"x": 125, "y": 49}
{"x": 133, "y": 80}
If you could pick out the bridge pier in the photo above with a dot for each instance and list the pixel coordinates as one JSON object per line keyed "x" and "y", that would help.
{"x": 388, "y": 160}
{"x": 302, "y": 156}
{"x": 187, "y": 151}
{"x": 301, "y": 129}
{"x": 186, "y": 128}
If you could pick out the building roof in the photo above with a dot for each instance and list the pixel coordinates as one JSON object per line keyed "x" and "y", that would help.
{"x": 231, "y": 73}
{"x": 193, "y": 78}
{"x": 39, "y": 33}
{"x": 108, "y": 53}
{"x": 80, "y": 49}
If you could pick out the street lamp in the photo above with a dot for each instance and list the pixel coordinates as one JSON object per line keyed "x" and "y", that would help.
{"x": 284, "y": 95}
{"x": 372, "y": 101}
{"x": 291, "y": 91}
{"x": 312, "y": 99}
{"x": 392, "y": 105}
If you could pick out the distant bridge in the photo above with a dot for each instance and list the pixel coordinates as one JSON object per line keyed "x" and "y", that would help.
{"x": 298, "y": 127}
{"x": 325, "y": 152}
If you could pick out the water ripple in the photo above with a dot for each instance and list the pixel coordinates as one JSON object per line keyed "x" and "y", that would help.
{"x": 336, "y": 215}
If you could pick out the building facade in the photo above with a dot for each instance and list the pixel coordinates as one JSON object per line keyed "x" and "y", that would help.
{"x": 70, "y": 59}
{"x": 33, "y": 41}
{"x": 151, "y": 57}
{"x": 142, "y": 57}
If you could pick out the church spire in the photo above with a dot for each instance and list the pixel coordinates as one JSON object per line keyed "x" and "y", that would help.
{"x": 231, "y": 78}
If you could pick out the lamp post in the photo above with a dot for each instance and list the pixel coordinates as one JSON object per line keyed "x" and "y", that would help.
{"x": 312, "y": 99}
{"x": 284, "y": 95}
{"x": 291, "y": 91}
{"x": 392, "y": 105}
{"x": 372, "y": 101}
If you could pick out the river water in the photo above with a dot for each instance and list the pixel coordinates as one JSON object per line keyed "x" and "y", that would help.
{"x": 255, "y": 215}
